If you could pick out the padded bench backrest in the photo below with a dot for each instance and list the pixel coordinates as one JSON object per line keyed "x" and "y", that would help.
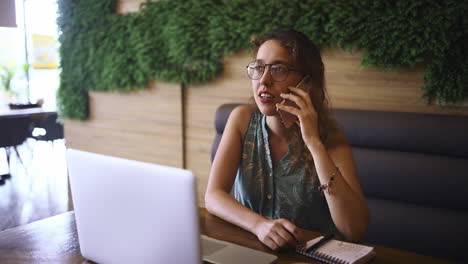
{"x": 413, "y": 169}
{"x": 221, "y": 118}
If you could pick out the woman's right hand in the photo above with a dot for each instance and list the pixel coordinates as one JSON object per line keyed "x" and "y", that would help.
{"x": 278, "y": 234}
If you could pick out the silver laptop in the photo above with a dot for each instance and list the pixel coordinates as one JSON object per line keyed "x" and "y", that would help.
{"x": 135, "y": 212}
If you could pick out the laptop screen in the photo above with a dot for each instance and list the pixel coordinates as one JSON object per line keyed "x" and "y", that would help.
{"x": 133, "y": 212}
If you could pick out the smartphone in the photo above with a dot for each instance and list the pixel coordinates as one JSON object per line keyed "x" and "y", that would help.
{"x": 287, "y": 118}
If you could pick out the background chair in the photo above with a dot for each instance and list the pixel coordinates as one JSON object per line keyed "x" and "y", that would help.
{"x": 13, "y": 132}
{"x": 221, "y": 117}
{"x": 52, "y": 129}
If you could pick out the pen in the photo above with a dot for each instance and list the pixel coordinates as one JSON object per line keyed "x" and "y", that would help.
{"x": 319, "y": 243}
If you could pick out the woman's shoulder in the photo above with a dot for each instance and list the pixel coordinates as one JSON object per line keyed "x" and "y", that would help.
{"x": 244, "y": 108}
{"x": 241, "y": 115}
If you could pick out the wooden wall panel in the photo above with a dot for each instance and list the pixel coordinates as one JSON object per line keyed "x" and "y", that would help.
{"x": 201, "y": 102}
{"x": 128, "y": 6}
{"x": 141, "y": 125}
{"x": 349, "y": 87}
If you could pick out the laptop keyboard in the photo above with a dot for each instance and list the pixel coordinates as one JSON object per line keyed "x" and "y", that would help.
{"x": 209, "y": 247}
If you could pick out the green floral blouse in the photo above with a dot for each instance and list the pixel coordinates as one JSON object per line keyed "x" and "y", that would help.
{"x": 287, "y": 190}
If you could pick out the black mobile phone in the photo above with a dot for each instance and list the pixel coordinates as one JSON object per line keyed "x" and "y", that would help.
{"x": 287, "y": 118}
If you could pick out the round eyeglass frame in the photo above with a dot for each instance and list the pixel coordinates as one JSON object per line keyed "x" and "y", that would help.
{"x": 271, "y": 75}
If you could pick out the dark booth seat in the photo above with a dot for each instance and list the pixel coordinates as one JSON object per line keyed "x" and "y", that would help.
{"x": 413, "y": 169}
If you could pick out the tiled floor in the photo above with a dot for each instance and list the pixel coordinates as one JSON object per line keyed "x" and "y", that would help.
{"x": 37, "y": 188}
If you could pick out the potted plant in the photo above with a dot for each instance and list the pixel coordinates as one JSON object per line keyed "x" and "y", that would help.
{"x": 6, "y": 75}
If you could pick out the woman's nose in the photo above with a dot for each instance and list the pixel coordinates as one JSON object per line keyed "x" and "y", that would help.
{"x": 266, "y": 77}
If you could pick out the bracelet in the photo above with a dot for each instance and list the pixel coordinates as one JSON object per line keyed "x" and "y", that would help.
{"x": 327, "y": 186}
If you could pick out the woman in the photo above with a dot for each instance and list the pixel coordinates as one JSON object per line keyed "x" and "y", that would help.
{"x": 286, "y": 179}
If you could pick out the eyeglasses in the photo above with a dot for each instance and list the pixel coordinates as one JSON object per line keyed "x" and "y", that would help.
{"x": 278, "y": 71}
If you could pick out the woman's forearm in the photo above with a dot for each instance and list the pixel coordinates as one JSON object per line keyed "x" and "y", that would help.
{"x": 348, "y": 208}
{"x": 224, "y": 206}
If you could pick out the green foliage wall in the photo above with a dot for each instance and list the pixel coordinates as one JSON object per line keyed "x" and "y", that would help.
{"x": 183, "y": 41}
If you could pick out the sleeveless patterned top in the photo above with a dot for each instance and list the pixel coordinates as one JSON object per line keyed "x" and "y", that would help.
{"x": 287, "y": 190}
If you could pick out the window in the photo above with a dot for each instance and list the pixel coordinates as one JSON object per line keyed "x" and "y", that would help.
{"x": 36, "y": 75}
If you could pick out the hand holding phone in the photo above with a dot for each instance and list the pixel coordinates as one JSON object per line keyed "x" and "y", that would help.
{"x": 289, "y": 119}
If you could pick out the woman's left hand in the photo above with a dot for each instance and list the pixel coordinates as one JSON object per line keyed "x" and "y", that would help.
{"x": 306, "y": 113}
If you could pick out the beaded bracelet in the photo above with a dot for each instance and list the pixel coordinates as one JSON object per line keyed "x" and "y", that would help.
{"x": 327, "y": 186}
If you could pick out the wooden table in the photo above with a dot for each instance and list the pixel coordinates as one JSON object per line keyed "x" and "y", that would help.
{"x": 55, "y": 240}
{"x": 34, "y": 112}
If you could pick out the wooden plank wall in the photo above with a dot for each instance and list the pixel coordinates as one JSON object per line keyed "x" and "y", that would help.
{"x": 351, "y": 87}
{"x": 201, "y": 102}
{"x": 141, "y": 125}
{"x": 151, "y": 125}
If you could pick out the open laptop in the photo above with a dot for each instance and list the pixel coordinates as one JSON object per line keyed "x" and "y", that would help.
{"x": 135, "y": 212}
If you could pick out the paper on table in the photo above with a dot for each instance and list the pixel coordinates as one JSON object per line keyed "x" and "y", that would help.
{"x": 343, "y": 250}
{"x": 335, "y": 251}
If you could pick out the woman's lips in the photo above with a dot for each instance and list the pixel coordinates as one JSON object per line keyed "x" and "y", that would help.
{"x": 266, "y": 97}
{"x": 266, "y": 100}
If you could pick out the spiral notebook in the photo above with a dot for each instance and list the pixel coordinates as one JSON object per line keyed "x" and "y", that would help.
{"x": 338, "y": 252}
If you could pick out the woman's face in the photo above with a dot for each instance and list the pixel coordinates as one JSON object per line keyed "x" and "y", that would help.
{"x": 266, "y": 90}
